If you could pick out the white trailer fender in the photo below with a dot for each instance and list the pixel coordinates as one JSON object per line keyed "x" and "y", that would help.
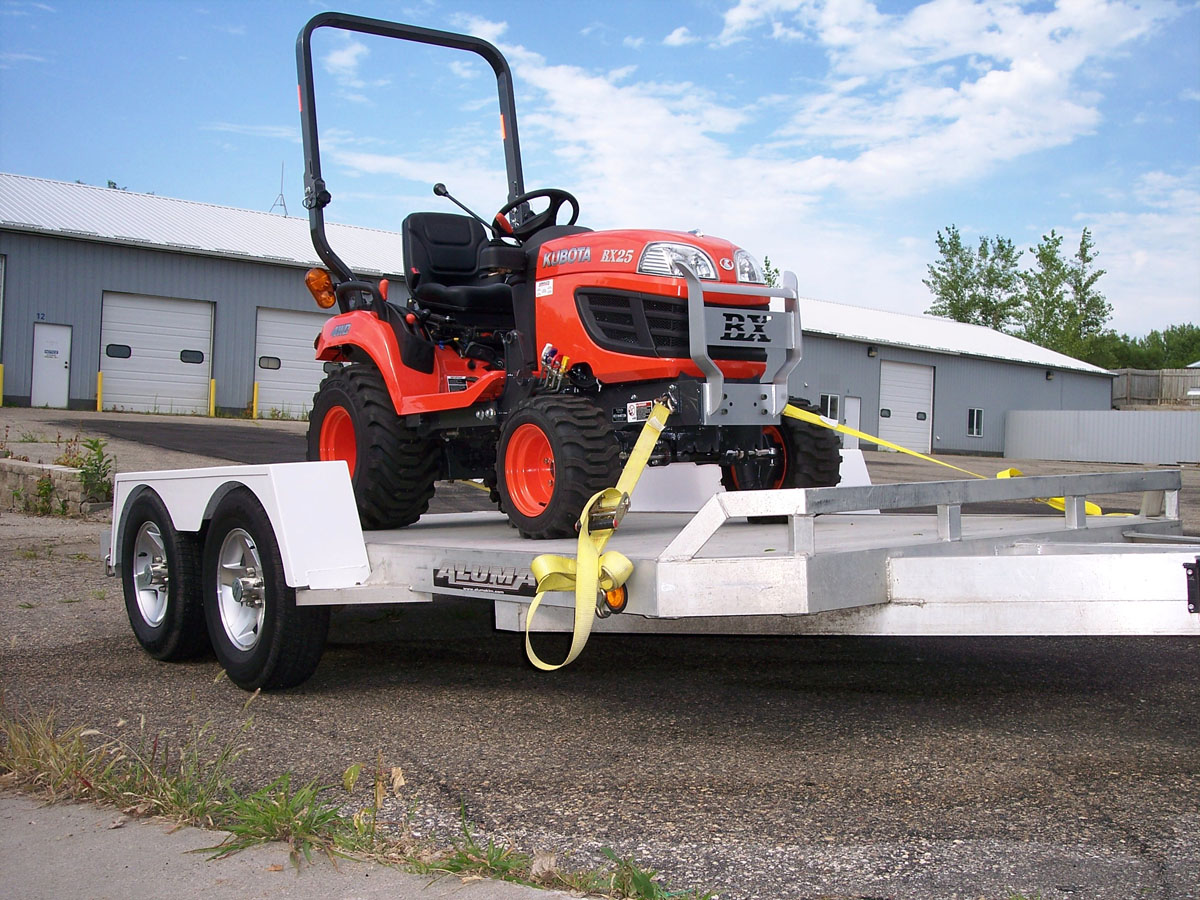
{"x": 310, "y": 505}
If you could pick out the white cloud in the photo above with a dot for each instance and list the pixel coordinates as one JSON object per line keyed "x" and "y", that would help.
{"x": 278, "y": 132}
{"x": 343, "y": 62}
{"x": 8, "y": 60}
{"x": 1149, "y": 253}
{"x": 481, "y": 27}
{"x": 947, "y": 90}
{"x": 20, "y": 8}
{"x": 679, "y": 37}
{"x": 634, "y": 43}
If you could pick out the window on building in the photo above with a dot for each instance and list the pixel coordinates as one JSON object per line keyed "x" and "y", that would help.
{"x": 269, "y": 362}
{"x": 118, "y": 351}
{"x": 974, "y": 422}
{"x": 192, "y": 357}
{"x": 831, "y": 406}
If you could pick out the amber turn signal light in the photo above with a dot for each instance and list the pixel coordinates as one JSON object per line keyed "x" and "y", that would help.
{"x": 616, "y": 600}
{"x": 320, "y": 285}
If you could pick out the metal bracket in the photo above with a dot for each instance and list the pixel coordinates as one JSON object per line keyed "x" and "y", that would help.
{"x": 1193, "y": 585}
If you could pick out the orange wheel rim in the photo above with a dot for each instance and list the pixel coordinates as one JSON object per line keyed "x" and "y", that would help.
{"x": 529, "y": 470}
{"x": 337, "y": 437}
{"x": 773, "y": 439}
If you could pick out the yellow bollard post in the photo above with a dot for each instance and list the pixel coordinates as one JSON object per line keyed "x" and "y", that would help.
{"x": 212, "y": 397}
{"x": 99, "y": 392}
{"x": 254, "y": 403}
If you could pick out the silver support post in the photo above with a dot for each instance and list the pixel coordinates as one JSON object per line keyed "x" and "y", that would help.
{"x": 949, "y": 518}
{"x": 1153, "y": 504}
{"x": 802, "y": 535}
{"x": 1172, "y": 504}
{"x": 1076, "y": 511}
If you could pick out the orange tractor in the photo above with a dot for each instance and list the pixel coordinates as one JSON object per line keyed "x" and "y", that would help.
{"x": 527, "y": 350}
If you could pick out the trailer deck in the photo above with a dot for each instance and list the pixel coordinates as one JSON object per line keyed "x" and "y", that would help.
{"x": 842, "y": 562}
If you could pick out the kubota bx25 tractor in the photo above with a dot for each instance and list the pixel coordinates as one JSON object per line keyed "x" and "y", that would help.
{"x": 528, "y": 350}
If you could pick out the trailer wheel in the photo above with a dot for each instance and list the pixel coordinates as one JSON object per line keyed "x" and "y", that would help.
{"x": 392, "y": 469}
{"x": 555, "y": 452}
{"x": 806, "y": 456}
{"x": 160, "y": 577}
{"x": 261, "y": 638}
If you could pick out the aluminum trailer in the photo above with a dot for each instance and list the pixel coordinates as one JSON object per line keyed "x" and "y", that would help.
{"x": 252, "y": 557}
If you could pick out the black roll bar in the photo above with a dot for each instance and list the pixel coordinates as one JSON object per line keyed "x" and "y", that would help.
{"x": 316, "y": 196}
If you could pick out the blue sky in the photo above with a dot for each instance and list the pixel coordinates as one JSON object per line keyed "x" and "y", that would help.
{"x": 835, "y": 137}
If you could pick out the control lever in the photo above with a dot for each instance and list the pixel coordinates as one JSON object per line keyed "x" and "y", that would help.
{"x": 440, "y": 190}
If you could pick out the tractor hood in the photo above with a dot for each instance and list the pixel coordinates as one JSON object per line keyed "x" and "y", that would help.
{"x": 648, "y": 252}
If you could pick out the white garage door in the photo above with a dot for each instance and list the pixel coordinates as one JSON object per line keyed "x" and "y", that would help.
{"x": 906, "y": 404}
{"x": 284, "y": 367}
{"x": 155, "y": 353}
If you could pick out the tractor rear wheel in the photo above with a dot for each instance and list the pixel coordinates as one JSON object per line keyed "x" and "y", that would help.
{"x": 392, "y": 469}
{"x": 806, "y": 456}
{"x": 555, "y": 452}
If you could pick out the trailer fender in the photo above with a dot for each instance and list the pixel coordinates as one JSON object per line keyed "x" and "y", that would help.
{"x": 310, "y": 506}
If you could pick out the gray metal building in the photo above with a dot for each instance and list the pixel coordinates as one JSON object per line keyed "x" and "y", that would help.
{"x": 162, "y": 304}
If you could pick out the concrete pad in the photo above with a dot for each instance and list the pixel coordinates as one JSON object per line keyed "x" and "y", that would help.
{"x": 75, "y": 850}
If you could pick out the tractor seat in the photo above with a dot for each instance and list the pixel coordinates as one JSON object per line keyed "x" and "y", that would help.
{"x": 441, "y": 257}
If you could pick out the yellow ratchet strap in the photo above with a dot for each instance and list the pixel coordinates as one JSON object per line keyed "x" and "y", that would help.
{"x": 593, "y": 570}
{"x": 813, "y": 419}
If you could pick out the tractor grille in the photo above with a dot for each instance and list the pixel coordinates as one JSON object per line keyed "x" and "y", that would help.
{"x": 645, "y": 325}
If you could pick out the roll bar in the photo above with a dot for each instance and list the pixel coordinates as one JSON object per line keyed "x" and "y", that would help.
{"x": 316, "y": 195}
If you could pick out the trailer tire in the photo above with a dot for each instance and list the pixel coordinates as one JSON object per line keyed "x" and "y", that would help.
{"x": 160, "y": 578}
{"x": 810, "y": 457}
{"x": 392, "y": 469}
{"x": 261, "y": 637}
{"x": 555, "y": 452}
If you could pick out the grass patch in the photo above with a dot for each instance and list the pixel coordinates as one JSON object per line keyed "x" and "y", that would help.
{"x": 191, "y": 782}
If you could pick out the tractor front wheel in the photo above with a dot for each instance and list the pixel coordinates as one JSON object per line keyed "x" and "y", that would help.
{"x": 392, "y": 469}
{"x": 555, "y": 452}
{"x": 805, "y": 455}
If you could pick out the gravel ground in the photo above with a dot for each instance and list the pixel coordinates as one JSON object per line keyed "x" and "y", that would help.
{"x": 755, "y": 767}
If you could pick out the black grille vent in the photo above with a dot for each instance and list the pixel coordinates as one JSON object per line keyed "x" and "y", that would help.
{"x": 645, "y": 325}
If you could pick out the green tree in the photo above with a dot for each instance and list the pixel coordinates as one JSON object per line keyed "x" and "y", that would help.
{"x": 770, "y": 272}
{"x": 1088, "y": 311}
{"x": 951, "y": 279}
{"x": 997, "y": 296}
{"x": 981, "y": 286}
{"x": 1043, "y": 308}
{"x": 1175, "y": 347}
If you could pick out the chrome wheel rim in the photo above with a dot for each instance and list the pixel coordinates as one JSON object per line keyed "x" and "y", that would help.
{"x": 150, "y": 579}
{"x": 240, "y": 589}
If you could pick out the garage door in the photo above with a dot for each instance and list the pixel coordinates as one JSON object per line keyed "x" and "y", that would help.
{"x": 155, "y": 353}
{"x": 284, "y": 367}
{"x": 906, "y": 404}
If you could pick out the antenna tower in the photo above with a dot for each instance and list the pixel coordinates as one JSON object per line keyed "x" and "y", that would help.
{"x": 280, "y": 201}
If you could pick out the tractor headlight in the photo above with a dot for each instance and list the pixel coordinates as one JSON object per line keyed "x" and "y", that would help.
{"x": 748, "y": 268}
{"x": 663, "y": 258}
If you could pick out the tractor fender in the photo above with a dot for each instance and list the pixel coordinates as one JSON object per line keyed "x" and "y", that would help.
{"x": 374, "y": 337}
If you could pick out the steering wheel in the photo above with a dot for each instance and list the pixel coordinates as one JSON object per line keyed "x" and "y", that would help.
{"x": 538, "y": 221}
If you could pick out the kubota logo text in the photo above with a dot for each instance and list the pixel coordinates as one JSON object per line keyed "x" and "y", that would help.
{"x": 569, "y": 255}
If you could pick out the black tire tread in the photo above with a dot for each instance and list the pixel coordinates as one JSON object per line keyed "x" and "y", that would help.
{"x": 589, "y": 460}
{"x": 186, "y": 636}
{"x": 396, "y": 471}
{"x": 295, "y": 638}
{"x": 814, "y": 458}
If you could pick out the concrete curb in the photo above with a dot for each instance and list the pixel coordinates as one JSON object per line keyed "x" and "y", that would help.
{"x": 77, "y": 850}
